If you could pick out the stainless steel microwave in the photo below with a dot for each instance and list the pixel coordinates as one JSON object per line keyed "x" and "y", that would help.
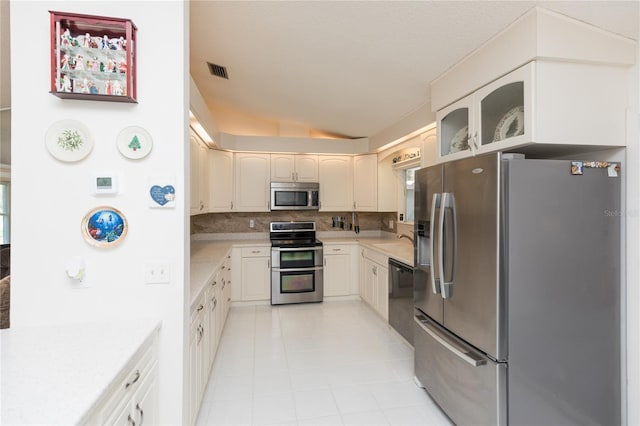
{"x": 295, "y": 196}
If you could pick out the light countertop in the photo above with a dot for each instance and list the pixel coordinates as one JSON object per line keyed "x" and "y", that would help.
{"x": 401, "y": 250}
{"x": 55, "y": 375}
{"x": 208, "y": 255}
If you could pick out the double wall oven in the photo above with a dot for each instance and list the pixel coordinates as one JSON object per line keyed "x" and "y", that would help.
{"x": 296, "y": 263}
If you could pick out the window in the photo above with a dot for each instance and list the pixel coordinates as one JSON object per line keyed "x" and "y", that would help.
{"x": 409, "y": 187}
{"x": 4, "y": 212}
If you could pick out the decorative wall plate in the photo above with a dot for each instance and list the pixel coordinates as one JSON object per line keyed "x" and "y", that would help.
{"x": 104, "y": 226}
{"x": 460, "y": 140}
{"x": 69, "y": 140}
{"x": 510, "y": 125}
{"x": 163, "y": 195}
{"x": 134, "y": 142}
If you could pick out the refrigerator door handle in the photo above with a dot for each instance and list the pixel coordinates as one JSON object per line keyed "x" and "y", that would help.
{"x": 435, "y": 281}
{"x": 448, "y": 205}
{"x": 468, "y": 357}
{"x": 443, "y": 203}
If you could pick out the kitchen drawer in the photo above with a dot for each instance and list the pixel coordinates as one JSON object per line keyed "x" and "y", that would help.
{"x": 329, "y": 249}
{"x": 256, "y": 251}
{"x": 128, "y": 385}
{"x": 465, "y": 383}
{"x": 377, "y": 257}
{"x": 198, "y": 306}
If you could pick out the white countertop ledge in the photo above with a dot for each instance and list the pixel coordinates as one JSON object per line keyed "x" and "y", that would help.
{"x": 55, "y": 375}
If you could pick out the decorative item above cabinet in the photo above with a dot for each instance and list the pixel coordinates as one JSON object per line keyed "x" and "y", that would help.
{"x": 93, "y": 57}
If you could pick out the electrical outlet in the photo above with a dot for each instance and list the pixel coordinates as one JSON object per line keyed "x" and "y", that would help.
{"x": 252, "y": 223}
{"x": 156, "y": 273}
{"x": 391, "y": 224}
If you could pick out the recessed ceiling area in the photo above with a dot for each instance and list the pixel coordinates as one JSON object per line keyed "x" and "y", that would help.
{"x": 348, "y": 68}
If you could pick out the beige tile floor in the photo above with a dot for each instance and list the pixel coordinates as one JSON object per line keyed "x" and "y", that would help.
{"x": 331, "y": 363}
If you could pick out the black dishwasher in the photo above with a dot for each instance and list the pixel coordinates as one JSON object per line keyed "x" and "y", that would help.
{"x": 401, "y": 298}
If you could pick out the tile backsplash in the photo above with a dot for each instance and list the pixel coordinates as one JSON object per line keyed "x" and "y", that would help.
{"x": 239, "y": 222}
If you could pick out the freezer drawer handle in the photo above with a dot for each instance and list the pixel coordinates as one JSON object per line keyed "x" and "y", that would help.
{"x": 467, "y": 357}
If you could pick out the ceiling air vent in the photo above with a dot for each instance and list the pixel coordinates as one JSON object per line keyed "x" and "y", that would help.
{"x": 218, "y": 70}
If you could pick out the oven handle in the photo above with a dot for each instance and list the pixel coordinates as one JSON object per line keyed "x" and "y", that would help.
{"x": 316, "y": 268}
{"x": 295, "y": 248}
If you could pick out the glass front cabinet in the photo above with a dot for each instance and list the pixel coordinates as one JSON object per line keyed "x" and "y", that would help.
{"x": 495, "y": 117}
{"x": 93, "y": 57}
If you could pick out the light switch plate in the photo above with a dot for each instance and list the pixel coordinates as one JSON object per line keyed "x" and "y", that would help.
{"x": 157, "y": 273}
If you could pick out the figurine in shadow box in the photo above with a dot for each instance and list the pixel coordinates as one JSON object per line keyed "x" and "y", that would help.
{"x": 65, "y": 38}
{"x": 65, "y": 84}
{"x": 93, "y": 89}
{"x": 84, "y": 86}
{"x": 121, "y": 44}
{"x": 105, "y": 43}
{"x": 79, "y": 63}
{"x": 117, "y": 88}
{"x": 86, "y": 41}
{"x": 65, "y": 62}
{"x": 122, "y": 66}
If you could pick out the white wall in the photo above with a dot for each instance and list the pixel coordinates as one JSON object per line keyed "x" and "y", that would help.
{"x": 50, "y": 198}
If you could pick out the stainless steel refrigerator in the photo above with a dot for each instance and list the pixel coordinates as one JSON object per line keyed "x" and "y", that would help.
{"x": 517, "y": 290}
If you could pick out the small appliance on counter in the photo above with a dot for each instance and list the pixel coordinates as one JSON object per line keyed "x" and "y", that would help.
{"x": 296, "y": 263}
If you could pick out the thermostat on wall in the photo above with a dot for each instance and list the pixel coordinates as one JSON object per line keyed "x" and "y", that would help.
{"x": 105, "y": 183}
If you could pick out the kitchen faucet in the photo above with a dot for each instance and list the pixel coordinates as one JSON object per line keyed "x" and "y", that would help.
{"x": 405, "y": 236}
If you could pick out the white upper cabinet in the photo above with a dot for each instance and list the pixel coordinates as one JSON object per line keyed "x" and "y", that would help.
{"x": 220, "y": 181}
{"x": 498, "y": 115}
{"x": 554, "y": 105}
{"x": 199, "y": 176}
{"x": 365, "y": 182}
{"x": 429, "y": 148}
{"x": 252, "y": 172}
{"x": 547, "y": 85}
{"x": 294, "y": 168}
{"x": 336, "y": 183}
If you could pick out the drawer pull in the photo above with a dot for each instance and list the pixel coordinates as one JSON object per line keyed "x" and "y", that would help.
{"x": 131, "y": 421}
{"x": 200, "y": 307}
{"x": 135, "y": 379}
{"x": 141, "y": 413}
{"x": 337, "y": 249}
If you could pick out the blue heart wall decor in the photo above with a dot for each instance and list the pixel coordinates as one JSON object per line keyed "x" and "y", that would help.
{"x": 162, "y": 194}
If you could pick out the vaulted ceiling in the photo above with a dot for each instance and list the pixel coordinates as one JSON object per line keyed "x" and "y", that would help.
{"x": 349, "y": 68}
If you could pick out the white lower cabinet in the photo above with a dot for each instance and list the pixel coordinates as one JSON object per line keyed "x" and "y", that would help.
{"x": 255, "y": 273}
{"x": 337, "y": 270}
{"x": 374, "y": 281}
{"x": 208, "y": 317}
{"x": 142, "y": 408}
{"x": 197, "y": 357}
{"x": 213, "y": 309}
{"x": 134, "y": 399}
